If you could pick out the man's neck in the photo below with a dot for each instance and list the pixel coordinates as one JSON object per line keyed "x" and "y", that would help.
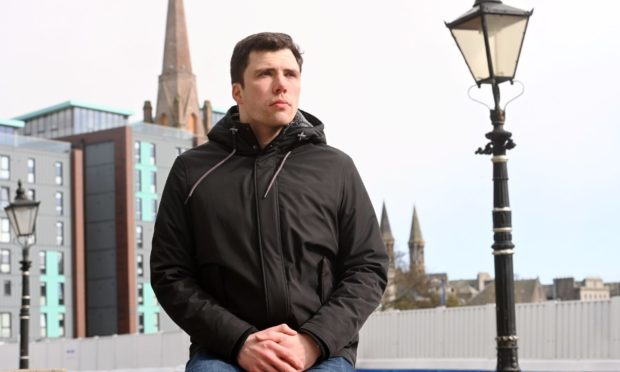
{"x": 264, "y": 135}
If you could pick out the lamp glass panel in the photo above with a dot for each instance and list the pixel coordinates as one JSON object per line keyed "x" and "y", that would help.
{"x": 470, "y": 39}
{"x": 22, "y": 220}
{"x": 506, "y": 35}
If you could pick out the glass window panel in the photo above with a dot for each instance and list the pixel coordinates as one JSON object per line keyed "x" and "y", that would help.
{"x": 5, "y": 196}
{"x": 61, "y": 293}
{"x": 58, "y": 178}
{"x": 43, "y": 294}
{"x": 505, "y": 38}
{"x": 153, "y": 182}
{"x": 59, "y": 203}
{"x": 139, "y": 209}
{"x": 5, "y": 261}
{"x": 42, "y": 263}
{"x": 5, "y": 167}
{"x": 60, "y": 233}
{"x": 5, "y": 230}
{"x": 5, "y": 325}
{"x": 43, "y": 325}
{"x": 140, "y": 293}
{"x": 470, "y": 39}
{"x": 139, "y": 236}
{"x": 136, "y": 152}
{"x": 61, "y": 263}
{"x": 61, "y": 325}
{"x": 140, "y": 265}
{"x": 30, "y": 164}
{"x": 138, "y": 176}
{"x": 7, "y": 287}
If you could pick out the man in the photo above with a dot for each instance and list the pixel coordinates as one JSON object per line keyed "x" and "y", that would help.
{"x": 266, "y": 248}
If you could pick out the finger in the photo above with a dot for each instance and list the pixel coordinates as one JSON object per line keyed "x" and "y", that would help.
{"x": 287, "y": 355}
{"x": 284, "y": 328}
{"x": 278, "y": 365}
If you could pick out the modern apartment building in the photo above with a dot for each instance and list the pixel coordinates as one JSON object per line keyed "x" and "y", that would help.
{"x": 43, "y": 166}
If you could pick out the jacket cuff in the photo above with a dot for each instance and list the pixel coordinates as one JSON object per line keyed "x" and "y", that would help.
{"x": 239, "y": 344}
{"x": 322, "y": 348}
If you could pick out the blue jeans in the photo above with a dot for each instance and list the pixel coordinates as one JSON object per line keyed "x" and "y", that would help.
{"x": 201, "y": 362}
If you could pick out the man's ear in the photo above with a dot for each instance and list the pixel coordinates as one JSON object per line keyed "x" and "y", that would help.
{"x": 237, "y": 93}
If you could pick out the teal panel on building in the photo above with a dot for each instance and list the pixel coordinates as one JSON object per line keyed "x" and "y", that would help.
{"x": 149, "y": 310}
{"x": 146, "y": 190}
{"x": 54, "y": 307}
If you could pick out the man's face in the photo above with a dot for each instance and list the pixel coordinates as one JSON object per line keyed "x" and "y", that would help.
{"x": 270, "y": 95}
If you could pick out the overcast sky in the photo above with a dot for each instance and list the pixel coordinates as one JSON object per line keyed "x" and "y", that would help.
{"x": 390, "y": 85}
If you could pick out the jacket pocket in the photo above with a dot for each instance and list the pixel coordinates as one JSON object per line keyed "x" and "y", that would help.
{"x": 325, "y": 280}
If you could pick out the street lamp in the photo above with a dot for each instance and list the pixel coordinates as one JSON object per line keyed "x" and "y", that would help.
{"x": 23, "y": 213}
{"x": 490, "y": 37}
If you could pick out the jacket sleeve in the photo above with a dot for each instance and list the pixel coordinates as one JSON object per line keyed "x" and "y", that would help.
{"x": 361, "y": 268}
{"x": 174, "y": 276}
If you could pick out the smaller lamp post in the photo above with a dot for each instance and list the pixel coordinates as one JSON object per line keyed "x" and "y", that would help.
{"x": 490, "y": 37}
{"x": 23, "y": 213}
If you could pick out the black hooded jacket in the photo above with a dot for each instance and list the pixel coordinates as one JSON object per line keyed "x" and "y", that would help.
{"x": 248, "y": 238}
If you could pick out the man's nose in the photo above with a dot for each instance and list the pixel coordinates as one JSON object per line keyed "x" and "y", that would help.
{"x": 280, "y": 83}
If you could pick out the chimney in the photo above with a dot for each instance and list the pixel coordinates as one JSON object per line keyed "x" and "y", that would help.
{"x": 147, "y": 110}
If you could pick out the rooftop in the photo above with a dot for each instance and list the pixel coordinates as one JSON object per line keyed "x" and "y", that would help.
{"x": 73, "y": 103}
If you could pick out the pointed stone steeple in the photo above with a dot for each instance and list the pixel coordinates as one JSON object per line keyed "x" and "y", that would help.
{"x": 388, "y": 240}
{"x": 386, "y": 231}
{"x": 416, "y": 244}
{"x": 177, "y": 99}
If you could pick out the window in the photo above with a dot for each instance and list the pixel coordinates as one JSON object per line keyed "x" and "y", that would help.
{"x": 5, "y": 167}
{"x": 7, "y": 287}
{"x": 5, "y": 261}
{"x": 30, "y": 194}
{"x": 5, "y": 325}
{"x": 58, "y": 172}
{"x": 140, "y": 293}
{"x": 136, "y": 152}
{"x": 153, "y": 182}
{"x": 156, "y": 322}
{"x": 30, "y": 165}
{"x": 5, "y": 230}
{"x": 61, "y": 325}
{"x": 141, "y": 322}
{"x": 151, "y": 152}
{"x": 139, "y": 236}
{"x": 139, "y": 209}
{"x": 5, "y": 196}
{"x": 43, "y": 294}
{"x": 60, "y": 233}
{"x": 154, "y": 209}
{"x": 61, "y": 263}
{"x": 43, "y": 325}
{"x": 59, "y": 203}
{"x": 42, "y": 263}
{"x": 140, "y": 264}
{"x": 61, "y": 293}
{"x": 138, "y": 181}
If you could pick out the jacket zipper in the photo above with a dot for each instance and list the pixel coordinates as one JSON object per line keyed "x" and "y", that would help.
{"x": 260, "y": 238}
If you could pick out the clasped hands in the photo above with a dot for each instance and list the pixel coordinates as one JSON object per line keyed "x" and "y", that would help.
{"x": 278, "y": 349}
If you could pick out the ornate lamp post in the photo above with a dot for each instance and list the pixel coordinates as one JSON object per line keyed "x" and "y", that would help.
{"x": 490, "y": 36}
{"x": 23, "y": 213}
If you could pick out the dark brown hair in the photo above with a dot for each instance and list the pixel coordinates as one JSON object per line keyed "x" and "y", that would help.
{"x": 264, "y": 41}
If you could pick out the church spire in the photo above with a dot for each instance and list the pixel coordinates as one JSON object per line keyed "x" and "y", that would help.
{"x": 386, "y": 231}
{"x": 388, "y": 239}
{"x": 177, "y": 100}
{"x": 416, "y": 244}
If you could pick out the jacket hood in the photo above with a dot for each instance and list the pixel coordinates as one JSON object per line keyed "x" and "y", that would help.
{"x": 230, "y": 132}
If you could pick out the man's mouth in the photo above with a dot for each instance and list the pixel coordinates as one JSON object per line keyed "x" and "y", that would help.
{"x": 280, "y": 102}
